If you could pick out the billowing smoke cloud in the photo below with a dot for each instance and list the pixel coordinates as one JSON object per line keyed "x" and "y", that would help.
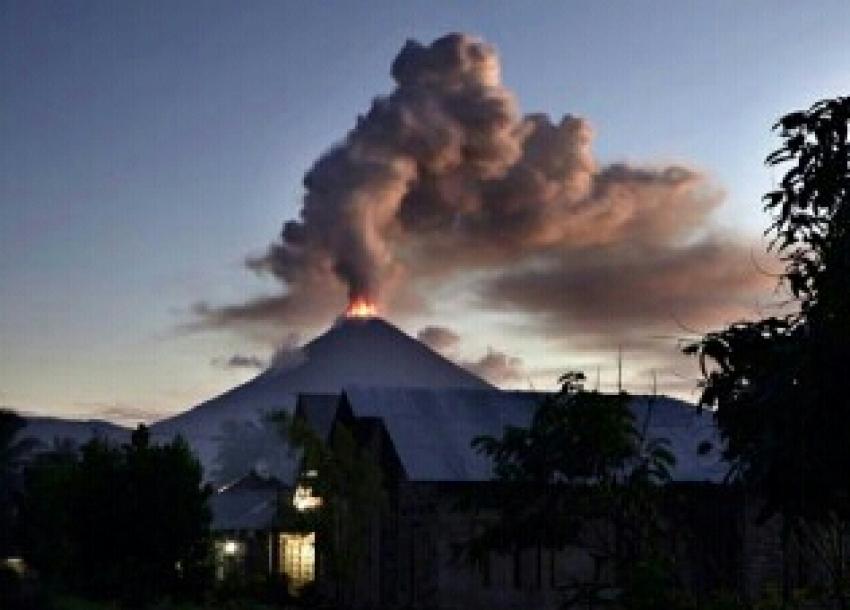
{"x": 495, "y": 366}
{"x": 617, "y": 291}
{"x": 449, "y": 120}
{"x": 439, "y": 338}
{"x": 445, "y": 177}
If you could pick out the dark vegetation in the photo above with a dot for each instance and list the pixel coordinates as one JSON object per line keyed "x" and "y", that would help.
{"x": 125, "y": 524}
{"x": 779, "y": 384}
{"x": 349, "y": 481}
{"x": 13, "y": 453}
{"x": 584, "y": 474}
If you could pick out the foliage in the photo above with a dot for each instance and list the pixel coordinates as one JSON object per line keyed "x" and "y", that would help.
{"x": 128, "y": 523}
{"x": 74, "y": 603}
{"x": 13, "y": 452}
{"x": 582, "y": 474}
{"x": 347, "y": 477}
{"x": 778, "y": 384}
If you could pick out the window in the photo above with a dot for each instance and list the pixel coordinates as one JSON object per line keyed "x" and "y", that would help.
{"x": 298, "y": 559}
{"x": 229, "y": 557}
{"x": 304, "y": 499}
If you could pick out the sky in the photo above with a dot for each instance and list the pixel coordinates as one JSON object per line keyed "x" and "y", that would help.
{"x": 148, "y": 149}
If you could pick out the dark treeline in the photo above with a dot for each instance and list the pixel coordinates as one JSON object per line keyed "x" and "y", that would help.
{"x": 127, "y": 524}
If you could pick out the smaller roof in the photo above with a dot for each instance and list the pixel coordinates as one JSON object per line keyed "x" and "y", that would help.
{"x": 250, "y": 503}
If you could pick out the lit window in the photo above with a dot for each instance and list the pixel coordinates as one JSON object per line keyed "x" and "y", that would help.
{"x": 229, "y": 557}
{"x": 304, "y": 499}
{"x": 298, "y": 559}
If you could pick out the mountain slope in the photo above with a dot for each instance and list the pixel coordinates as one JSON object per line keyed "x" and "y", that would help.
{"x": 228, "y": 432}
{"x": 48, "y": 430}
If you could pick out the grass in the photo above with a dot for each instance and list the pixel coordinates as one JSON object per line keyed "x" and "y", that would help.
{"x": 75, "y": 603}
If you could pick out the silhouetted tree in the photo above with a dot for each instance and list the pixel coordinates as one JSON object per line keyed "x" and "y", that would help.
{"x": 14, "y": 449}
{"x": 582, "y": 474}
{"x": 128, "y": 523}
{"x": 779, "y": 384}
{"x": 349, "y": 480}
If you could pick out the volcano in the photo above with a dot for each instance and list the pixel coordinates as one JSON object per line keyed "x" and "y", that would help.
{"x": 229, "y": 432}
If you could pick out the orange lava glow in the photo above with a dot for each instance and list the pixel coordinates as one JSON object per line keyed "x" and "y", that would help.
{"x": 361, "y": 308}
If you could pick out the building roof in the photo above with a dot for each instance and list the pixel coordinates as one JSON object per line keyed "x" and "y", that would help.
{"x": 251, "y": 503}
{"x": 432, "y": 430}
{"x": 319, "y": 411}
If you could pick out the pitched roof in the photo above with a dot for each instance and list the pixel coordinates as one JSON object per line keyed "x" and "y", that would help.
{"x": 319, "y": 411}
{"x": 432, "y": 430}
{"x": 250, "y": 503}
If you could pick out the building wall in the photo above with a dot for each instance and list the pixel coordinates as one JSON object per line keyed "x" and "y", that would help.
{"x": 416, "y": 553}
{"x": 436, "y": 571}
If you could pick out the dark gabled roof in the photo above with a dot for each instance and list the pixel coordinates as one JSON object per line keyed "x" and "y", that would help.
{"x": 432, "y": 430}
{"x": 254, "y": 481}
{"x": 318, "y": 410}
{"x": 251, "y": 503}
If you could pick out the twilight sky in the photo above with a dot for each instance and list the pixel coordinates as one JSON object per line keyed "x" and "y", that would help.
{"x": 147, "y": 150}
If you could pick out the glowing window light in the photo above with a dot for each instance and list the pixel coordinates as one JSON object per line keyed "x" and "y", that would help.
{"x": 303, "y": 499}
{"x": 298, "y": 559}
{"x": 231, "y": 547}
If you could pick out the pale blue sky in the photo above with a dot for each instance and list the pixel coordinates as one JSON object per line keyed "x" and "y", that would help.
{"x": 147, "y": 148}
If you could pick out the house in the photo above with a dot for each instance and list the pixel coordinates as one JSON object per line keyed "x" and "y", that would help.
{"x": 422, "y": 441}
{"x": 246, "y": 526}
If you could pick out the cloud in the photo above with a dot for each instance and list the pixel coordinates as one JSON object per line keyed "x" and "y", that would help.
{"x": 496, "y": 367}
{"x": 119, "y": 413}
{"x": 439, "y": 338}
{"x": 444, "y": 179}
{"x": 240, "y": 361}
{"x": 623, "y": 292}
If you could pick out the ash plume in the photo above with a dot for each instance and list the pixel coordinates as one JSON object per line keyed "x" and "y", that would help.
{"x": 444, "y": 177}
{"x": 448, "y": 119}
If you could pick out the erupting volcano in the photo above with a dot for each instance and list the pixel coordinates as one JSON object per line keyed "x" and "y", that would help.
{"x": 360, "y": 349}
{"x": 361, "y": 307}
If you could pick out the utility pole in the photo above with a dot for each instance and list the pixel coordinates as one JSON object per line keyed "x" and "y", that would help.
{"x": 619, "y": 368}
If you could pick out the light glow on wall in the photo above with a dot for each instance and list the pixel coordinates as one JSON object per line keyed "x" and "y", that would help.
{"x": 304, "y": 500}
{"x": 298, "y": 559}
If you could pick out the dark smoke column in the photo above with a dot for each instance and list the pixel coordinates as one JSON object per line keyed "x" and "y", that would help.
{"x": 448, "y": 115}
